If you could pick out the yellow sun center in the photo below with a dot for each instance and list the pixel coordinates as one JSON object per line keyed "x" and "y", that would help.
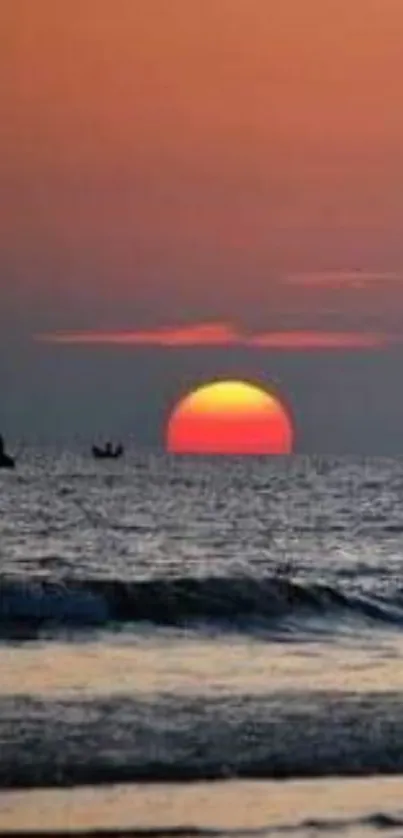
{"x": 230, "y": 417}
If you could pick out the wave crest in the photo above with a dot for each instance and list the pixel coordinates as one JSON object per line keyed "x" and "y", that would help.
{"x": 241, "y": 602}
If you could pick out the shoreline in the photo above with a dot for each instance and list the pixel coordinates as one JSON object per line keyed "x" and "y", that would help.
{"x": 180, "y": 809}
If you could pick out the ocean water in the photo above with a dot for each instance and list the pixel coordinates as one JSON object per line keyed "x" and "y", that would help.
{"x": 201, "y": 645}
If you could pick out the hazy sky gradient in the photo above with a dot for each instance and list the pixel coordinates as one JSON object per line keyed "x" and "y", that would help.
{"x": 173, "y": 163}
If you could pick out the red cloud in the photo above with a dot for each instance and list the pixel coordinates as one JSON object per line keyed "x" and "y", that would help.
{"x": 223, "y": 334}
{"x": 201, "y": 334}
{"x": 336, "y": 279}
{"x": 319, "y": 340}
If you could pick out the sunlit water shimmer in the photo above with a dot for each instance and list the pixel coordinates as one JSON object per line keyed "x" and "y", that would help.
{"x": 166, "y": 620}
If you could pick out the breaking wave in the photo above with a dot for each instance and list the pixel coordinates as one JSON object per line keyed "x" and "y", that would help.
{"x": 241, "y": 603}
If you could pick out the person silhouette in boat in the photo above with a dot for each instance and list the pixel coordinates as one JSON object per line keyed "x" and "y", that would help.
{"x": 108, "y": 451}
{"x": 5, "y": 460}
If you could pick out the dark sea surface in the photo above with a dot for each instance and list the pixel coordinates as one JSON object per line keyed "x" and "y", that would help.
{"x": 166, "y": 620}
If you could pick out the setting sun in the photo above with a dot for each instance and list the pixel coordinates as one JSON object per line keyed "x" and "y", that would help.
{"x": 229, "y": 417}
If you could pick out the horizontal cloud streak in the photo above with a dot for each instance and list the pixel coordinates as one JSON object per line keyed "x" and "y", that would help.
{"x": 209, "y": 334}
{"x": 223, "y": 334}
{"x": 336, "y": 279}
{"x": 320, "y": 340}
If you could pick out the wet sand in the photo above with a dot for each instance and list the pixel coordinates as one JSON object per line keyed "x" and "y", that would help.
{"x": 117, "y": 664}
{"x": 221, "y": 806}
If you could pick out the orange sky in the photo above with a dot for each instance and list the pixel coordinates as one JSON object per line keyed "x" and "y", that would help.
{"x": 178, "y": 160}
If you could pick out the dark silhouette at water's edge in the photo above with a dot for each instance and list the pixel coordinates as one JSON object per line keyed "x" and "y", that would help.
{"x": 108, "y": 452}
{"x": 5, "y": 460}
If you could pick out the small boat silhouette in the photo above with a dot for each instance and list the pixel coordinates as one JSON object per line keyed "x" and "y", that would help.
{"x": 5, "y": 460}
{"x": 108, "y": 452}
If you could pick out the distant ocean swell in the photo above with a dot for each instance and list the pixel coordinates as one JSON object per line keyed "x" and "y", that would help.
{"x": 242, "y": 603}
{"x": 182, "y": 738}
